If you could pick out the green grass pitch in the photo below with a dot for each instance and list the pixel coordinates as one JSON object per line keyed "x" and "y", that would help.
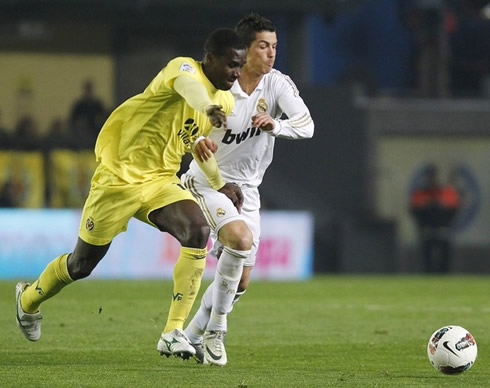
{"x": 331, "y": 331}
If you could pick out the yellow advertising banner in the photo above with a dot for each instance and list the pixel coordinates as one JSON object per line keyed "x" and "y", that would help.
{"x": 69, "y": 177}
{"x": 22, "y": 180}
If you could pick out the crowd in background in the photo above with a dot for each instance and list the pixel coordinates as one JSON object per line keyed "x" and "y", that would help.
{"x": 450, "y": 58}
{"x": 77, "y": 131}
{"x": 451, "y": 53}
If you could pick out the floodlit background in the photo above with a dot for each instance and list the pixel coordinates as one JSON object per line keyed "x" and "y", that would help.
{"x": 394, "y": 86}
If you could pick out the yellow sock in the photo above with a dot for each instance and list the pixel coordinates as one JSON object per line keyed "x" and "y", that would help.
{"x": 187, "y": 279}
{"x": 54, "y": 277}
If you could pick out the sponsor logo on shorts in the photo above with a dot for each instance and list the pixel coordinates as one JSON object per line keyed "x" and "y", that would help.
{"x": 262, "y": 106}
{"x": 89, "y": 224}
{"x": 220, "y": 212}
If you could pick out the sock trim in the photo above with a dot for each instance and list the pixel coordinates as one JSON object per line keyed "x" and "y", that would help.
{"x": 61, "y": 269}
{"x": 196, "y": 253}
{"x": 237, "y": 253}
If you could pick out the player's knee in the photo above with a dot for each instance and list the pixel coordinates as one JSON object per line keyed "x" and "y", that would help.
{"x": 79, "y": 266}
{"x": 196, "y": 235}
{"x": 237, "y": 236}
{"x": 243, "y": 242}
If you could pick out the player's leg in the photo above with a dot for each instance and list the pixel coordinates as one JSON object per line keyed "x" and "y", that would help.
{"x": 199, "y": 323}
{"x": 237, "y": 241}
{"x": 183, "y": 220}
{"x": 105, "y": 214}
{"x": 60, "y": 272}
{"x": 243, "y": 285}
{"x": 225, "y": 220}
{"x": 251, "y": 216}
{"x": 252, "y": 219}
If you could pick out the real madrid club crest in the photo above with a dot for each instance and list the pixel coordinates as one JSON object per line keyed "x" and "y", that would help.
{"x": 220, "y": 212}
{"x": 262, "y": 106}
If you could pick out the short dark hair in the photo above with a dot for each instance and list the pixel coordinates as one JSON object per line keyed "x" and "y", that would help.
{"x": 249, "y": 25}
{"x": 222, "y": 39}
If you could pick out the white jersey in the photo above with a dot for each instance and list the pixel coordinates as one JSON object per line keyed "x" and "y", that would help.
{"x": 245, "y": 152}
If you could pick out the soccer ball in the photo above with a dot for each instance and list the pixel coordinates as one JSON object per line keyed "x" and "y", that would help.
{"x": 452, "y": 350}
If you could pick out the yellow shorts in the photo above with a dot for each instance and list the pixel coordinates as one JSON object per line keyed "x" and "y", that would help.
{"x": 112, "y": 202}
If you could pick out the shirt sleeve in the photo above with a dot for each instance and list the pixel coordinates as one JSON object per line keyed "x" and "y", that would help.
{"x": 211, "y": 171}
{"x": 193, "y": 92}
{"x": 299, "y": 124}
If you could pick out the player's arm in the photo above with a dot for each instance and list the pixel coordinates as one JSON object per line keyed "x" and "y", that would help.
{"x": 196, "y": 95}
{"x": 204, "y": 157}
{"x": 203, "y": 151}
{"x": 298, "y": 125}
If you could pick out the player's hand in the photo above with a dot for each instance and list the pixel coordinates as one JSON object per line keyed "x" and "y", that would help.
{"x": 216, "y": 116}
{"x": 263, "y": 121}
{"x": 205, "y": 149}
{"x": 233, "y": 191}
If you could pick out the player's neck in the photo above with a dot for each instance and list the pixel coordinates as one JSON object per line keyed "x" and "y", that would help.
{"x": 249, "y": 81}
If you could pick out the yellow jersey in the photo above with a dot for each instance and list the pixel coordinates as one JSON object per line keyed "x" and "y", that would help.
{"x": 148, "y": 134}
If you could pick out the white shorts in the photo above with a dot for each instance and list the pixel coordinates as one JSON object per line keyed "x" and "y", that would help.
{"x": 219, "y": 210}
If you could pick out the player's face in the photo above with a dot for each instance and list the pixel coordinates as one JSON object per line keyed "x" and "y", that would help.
{"x": 262, "y": 52}
{"x": 224, "y": 71}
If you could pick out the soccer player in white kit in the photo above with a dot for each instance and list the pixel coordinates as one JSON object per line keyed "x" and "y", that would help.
{"x": 244, "y": 151}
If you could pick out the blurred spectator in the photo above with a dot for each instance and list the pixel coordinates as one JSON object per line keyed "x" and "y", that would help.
{"x": 434, "y": 207}
{"x": 7, "y": 194}
{"x": 431, "y": 23}
{"x": 5, "y": 137}
{"x": 15, "y": 185}
{"x": 470, "y": 46}
{"x": 87, "y": 113}
{"x": 58, "y": 136}
{"x": 26, "y": 134}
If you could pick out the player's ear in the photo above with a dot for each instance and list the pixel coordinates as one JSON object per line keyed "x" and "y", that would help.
{"x": 209, "y": 58}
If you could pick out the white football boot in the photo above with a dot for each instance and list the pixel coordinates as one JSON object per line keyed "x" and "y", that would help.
{"x": 175, "y": 343}
{"x": 29, "y": 324}
{"x": 214, "y": 347}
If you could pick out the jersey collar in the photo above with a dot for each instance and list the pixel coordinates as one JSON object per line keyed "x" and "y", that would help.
{"x": 237, "y": 90}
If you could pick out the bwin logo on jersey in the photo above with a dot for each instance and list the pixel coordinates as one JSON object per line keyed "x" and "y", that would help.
{"x": 239, "y": 137}
{"x": 188, "y": 133}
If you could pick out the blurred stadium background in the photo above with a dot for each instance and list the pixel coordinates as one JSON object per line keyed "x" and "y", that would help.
{"x": 393, "y": 86}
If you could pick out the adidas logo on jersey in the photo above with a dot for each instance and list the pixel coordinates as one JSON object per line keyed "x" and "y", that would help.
{"x": 230, "y": 137}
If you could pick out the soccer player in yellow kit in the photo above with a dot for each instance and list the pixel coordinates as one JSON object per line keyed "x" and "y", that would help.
{"x": 139, "y": 151}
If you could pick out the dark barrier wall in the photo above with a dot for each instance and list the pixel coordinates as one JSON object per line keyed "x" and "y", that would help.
{"x": 338, "y": 174}
{"x": 329, "y": 175}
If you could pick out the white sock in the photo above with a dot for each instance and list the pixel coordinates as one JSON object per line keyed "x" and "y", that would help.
{"x": 226, "y": 280}
{"x": 197, "y": 325}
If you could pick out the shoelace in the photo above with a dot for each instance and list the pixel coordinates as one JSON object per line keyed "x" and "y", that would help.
{"x": 219, "y": 337}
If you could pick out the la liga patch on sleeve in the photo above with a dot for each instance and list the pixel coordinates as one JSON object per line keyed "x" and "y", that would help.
{"x": 187, "y": 67}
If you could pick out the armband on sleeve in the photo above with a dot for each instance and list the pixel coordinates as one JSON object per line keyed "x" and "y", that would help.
{"x": 210, "y": 169}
